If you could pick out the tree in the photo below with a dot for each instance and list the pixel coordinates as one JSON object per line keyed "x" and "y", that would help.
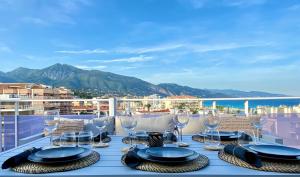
{"x": 148, "y": 106}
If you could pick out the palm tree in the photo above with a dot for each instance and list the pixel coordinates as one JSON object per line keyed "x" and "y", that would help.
{"x": 148, "y": 107}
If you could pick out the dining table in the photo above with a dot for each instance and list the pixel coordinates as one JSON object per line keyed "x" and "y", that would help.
{"x": 110, "y": 162}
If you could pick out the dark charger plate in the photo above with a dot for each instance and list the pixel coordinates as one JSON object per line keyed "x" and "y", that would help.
{"x": 169, "y": 152}
{"x": 276, "y": 152}
{"x": 59, "y": 155}
{"x": 224, "y": 135}
{"x": 167, "y": 159}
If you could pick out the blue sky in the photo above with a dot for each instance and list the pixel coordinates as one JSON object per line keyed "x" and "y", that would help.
{"x": 223, "y": 44}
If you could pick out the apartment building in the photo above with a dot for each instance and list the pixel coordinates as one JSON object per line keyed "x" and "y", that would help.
{"x": 173, "y": 102}
{"x": 10, "y": 91}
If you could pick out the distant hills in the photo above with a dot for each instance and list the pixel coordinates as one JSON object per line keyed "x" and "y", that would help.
{"x": 100, "y": 83}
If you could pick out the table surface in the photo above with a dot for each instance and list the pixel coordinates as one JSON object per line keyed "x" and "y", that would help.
{"x": 110, "y": 163}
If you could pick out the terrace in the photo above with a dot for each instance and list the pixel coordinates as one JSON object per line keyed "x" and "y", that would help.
{"x": 23, "y": 127}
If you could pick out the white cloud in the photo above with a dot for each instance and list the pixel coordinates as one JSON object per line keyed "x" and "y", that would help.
{"x": 87, "y": 51}
{"x": 140, "y": 58}
{"x": 294, "y": 7}
{"x": 188, "y": 47}
{"x": 128, "y": 67}
{"x": 197, "y": 4}
{"x": 224, "y": 46}
{"x": 158, "y": 48}
{"x": 34, "y": 20}
{"x": 4, "y": 48}
{"x": 266, "y": 58}
{"x": 91, "y": 67}
{"x": 243, "y": 3}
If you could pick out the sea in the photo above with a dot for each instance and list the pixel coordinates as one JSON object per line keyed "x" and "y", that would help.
{"x": 254, "y": 103}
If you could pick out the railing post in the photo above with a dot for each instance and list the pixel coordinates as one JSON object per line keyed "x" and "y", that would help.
{"x": 16, "y": 122}
{"x": 246, "y": 107}
{"x": 214, "y": 104}
{"x": 112, "y": 106}
{"x": 1, "y": 128}
{"x": 98, "y": 109}
{"x": 201, "y": 104}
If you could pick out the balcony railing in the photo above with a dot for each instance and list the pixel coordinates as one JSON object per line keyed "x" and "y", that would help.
{"x": 18, "y": 128}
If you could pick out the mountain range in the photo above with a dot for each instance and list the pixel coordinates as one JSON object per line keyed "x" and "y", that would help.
{"x": 100, "y": 83}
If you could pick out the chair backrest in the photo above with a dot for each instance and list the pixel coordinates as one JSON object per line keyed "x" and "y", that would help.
{"x": 227, "y": 123}
{"x": 148, "y": 123}
{"x": 195, "y": 125}
{"x": 73, "y": 124}
{"x": 236, "y": 124}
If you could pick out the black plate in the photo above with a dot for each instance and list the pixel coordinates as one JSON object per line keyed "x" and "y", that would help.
{"x": 276, "y": 151}
{"x": 142, "y": 154}
{"x": 169, "y": 153}
{"x": 59, "y": 155}
{"x": 224, "y": 135}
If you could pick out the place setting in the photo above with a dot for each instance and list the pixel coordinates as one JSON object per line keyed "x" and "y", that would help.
{"x": 260, "y": 155}
{"x": 144, "y": 138}
{"x": 214, "y": 139}
{"x": 163, "y": 159}
{"x": 263, "y": 157}
{"x": 93, "y": 133}
{"x": 69, "y": 151}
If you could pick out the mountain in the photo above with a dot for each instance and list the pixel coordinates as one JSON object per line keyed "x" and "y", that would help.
{"x": 5, "y": 78}
{"x": 238, "y": 93}
{"x": 100, "y": 82}
{"x": 174, "y": 89}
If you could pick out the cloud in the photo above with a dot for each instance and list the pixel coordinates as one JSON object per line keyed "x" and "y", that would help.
{"x": 34, "y": 20}
{"x": 158, "y": 48}
{"x": 222, "y": 46}
{"x": 136, "y": 59}
{"x": 46, "y": 12}
{"x": 128, "y": 67}
{"x": 63, "y": 44}
{"x": 266, "y": 58}
{"x": 294, "y": 7}
{"x": 91, "y": 67}
{"x": 87, "y": 51}
{"x": 197, "y": 4}
{"x": 4, "y": 48}
{"x": 243, "y": 3}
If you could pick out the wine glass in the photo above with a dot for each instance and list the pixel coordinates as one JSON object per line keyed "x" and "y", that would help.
{"x": 212, "y": 135}
{"x": 50, "y": 126}
{"x": 101, "y": 123}
{"x": 244, "y": 137}
{"x": 68, "y": 139}
{"x": 85, "y": 139}
{"x": 129, "y": 123}
{"x": 257, "y": 123}
{"x": 181, "y": 119}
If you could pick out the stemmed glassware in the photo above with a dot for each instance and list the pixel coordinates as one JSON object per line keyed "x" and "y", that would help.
{"x": 50, "y": 126}
{"x": 181, "y": 119}
{"x": 68, "y": 139}
{"x": 258, "y": 122}
{"x": 129, "y": 123}
{"x": 85, "y": 139}
{"x": 211, "y": 122}
{"x": 101, "y": 123}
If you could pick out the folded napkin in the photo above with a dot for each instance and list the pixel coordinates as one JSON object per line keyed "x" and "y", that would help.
{"x": 104, "y": 136}
{"x": 19, "y": 158}
{"x": 244, "y": 154}
{"x": 131, "y": 159}
{"x": 244, "y": 137}
{"x": 171, "y": 137}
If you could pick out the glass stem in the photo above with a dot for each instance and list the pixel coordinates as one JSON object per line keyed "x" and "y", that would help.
{"x": 51, "y": 138}
{"x": 181, "y": 135}
{"x": 100, "y": 142}
{"x": 257, "y": 132}
{"x": 131, "y": 137}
